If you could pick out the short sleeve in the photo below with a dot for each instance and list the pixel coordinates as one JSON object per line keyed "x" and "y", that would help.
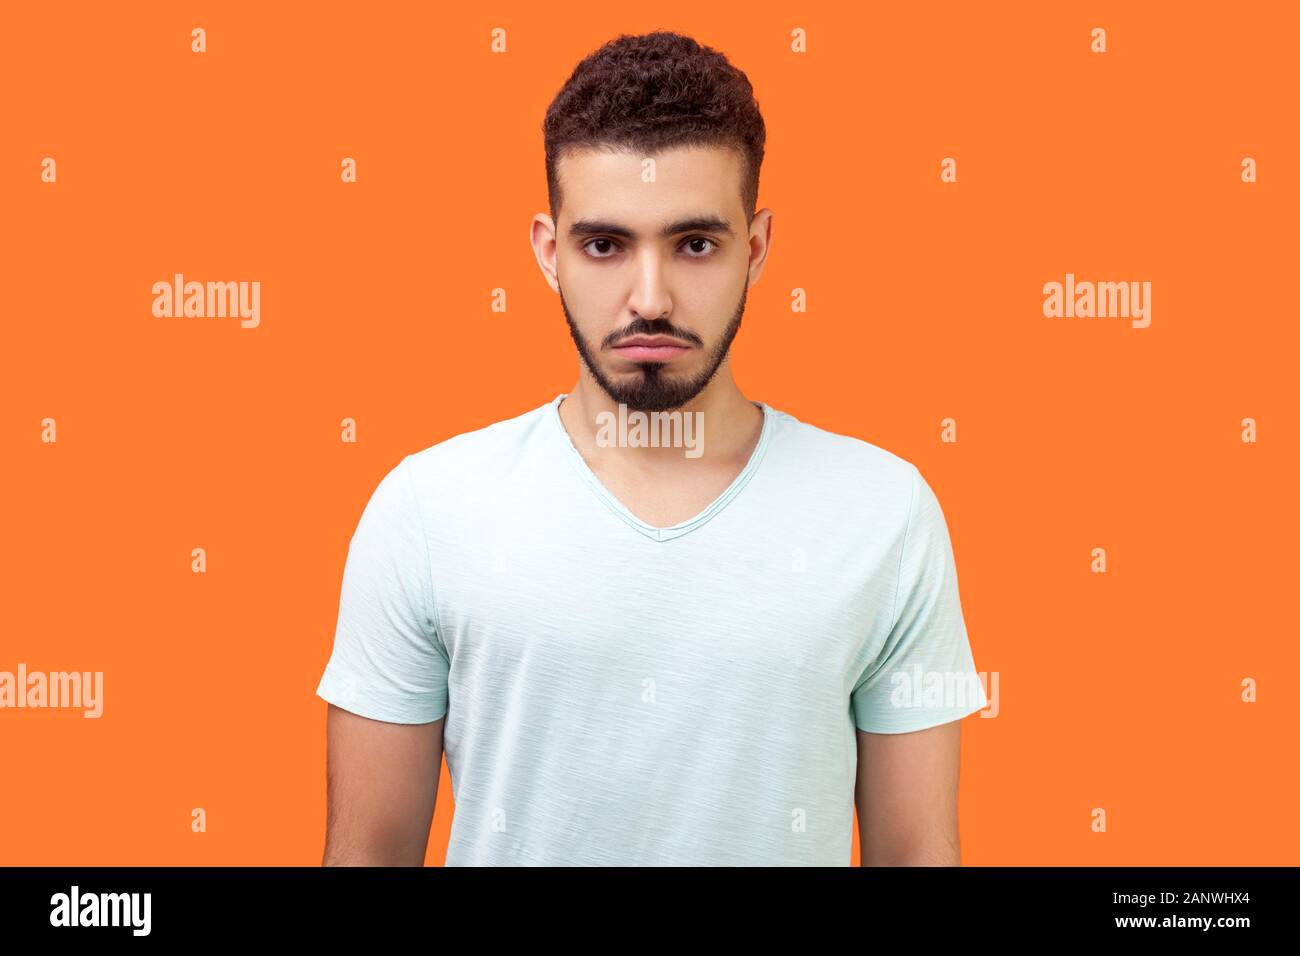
{"x": 388, "y": 661}
{"x": 925, "y": 673}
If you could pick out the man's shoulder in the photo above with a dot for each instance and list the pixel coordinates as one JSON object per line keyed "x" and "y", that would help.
{"x": 847, "y": 485}
{"x": 842, "y": 458}
{"x": 478, "y": 451}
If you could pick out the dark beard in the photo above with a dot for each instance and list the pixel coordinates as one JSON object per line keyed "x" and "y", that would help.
{"x": 653, "y": 390}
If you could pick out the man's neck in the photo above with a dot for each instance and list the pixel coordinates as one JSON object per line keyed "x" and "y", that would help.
{"x": 730, "y": 425}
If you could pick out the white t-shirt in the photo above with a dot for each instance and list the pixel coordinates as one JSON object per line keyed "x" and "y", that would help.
{"x": 621, "y": 694}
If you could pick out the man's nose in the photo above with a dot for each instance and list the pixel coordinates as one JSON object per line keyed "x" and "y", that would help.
{"x": 649, "y": 297}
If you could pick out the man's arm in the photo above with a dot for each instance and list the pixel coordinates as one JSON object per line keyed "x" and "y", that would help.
{"x": 906, "y": 796}
{"x": 382, "y": 783}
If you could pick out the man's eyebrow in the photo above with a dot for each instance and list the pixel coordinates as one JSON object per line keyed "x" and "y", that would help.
{"x": 595, "y": 227}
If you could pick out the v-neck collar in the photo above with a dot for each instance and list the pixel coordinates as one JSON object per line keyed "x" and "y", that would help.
{"x": 620, "y": 509}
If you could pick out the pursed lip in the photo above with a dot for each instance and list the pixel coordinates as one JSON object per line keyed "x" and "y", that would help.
{"x": 652, "y": 341}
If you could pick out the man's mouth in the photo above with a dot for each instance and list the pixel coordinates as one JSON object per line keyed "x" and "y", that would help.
{"x": 651, "y": 348}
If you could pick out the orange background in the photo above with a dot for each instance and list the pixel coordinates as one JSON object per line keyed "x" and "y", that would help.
{"x": 1118, "y": 690}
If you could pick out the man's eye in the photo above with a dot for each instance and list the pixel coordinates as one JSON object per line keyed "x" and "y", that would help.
{"x": 708, "y": 251}
{"x": 593, "y": 242}
{"x": 607, "y": 254}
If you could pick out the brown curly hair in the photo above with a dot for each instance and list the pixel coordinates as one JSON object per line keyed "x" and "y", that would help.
{"x": 653, "y": 92}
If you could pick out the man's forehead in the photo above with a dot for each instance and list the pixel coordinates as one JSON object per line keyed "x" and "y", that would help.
{"x": 620, "y": 185}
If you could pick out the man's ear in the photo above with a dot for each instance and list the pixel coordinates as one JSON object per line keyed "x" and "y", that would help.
{"x": 544, "y": 239}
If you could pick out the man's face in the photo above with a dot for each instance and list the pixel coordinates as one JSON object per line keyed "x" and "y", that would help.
{"x": 667, "y": 258}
